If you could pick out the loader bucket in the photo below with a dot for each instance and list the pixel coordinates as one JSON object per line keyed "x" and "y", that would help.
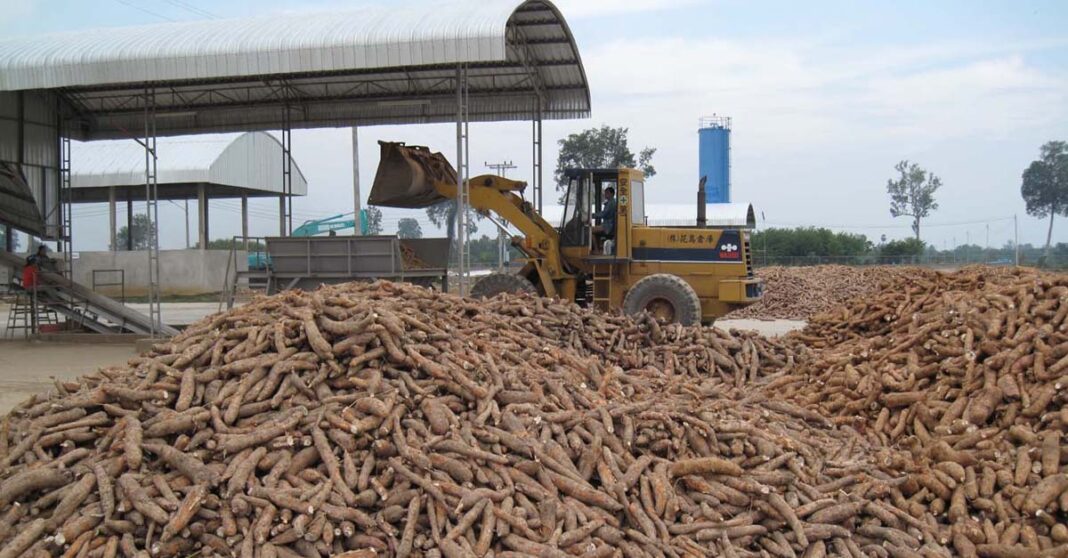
{"x": 406, "y": 176}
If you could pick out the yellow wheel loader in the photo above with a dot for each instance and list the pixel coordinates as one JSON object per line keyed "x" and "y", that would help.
{"x": 688, "y": 275}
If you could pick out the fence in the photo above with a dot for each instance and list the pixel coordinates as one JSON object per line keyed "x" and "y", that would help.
{"x": 948, "y": 260}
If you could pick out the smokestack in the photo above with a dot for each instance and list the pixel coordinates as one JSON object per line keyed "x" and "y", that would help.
{"x": 701, "y": 217}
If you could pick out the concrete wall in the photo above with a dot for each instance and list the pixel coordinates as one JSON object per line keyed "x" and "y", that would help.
{"x": 182, "y": 272}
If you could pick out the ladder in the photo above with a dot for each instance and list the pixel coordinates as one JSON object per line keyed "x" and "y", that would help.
{"x": 287, "y": 167}
{"x": 463, "y": 175}
{"x": 152, "y": 210}
{"x": 66, "y": 235}
{"x": 603, "y": 285}
{"x": 28, "y": 314}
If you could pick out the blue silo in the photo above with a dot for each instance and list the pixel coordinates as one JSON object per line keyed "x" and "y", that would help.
{"x": 714, "y": 152}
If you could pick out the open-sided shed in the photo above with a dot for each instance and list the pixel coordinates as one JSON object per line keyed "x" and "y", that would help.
{"x": 464, "y": 61}
{"x": 236, "y": 166}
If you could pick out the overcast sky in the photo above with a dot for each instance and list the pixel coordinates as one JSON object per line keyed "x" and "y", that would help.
{"x": 826, "y": 97}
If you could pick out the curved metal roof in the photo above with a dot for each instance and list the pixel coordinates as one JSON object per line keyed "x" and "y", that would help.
{"x": 373, "y": 66}
{"x": 230, "y": 165}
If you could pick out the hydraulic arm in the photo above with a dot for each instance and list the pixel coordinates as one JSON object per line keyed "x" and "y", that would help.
{"x": 413, "y": 177}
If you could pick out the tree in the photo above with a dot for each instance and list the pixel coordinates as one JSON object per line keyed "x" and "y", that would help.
{"x": 1045, "y": 185}
{"x": 443, "y": 215}
{"x": 228, "y": 243}
{"x": 143, "y": 234}
{"x": 902, "y": 251}
{"x": 600, "y": 148}
{"x": 912, "y": 195}
{"x": 409, "y": 228}
{"x": 806, "y": 242}
{"x": 374, "y": 220}
{"x": 483, "y": 251}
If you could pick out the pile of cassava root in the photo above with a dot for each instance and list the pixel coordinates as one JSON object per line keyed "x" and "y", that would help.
{"x": 798, "y": 293}
{"x": 966, "y": 372}
{"x": 381, "y": 419}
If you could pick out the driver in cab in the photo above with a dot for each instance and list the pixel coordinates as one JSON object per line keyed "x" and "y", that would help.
{"x": 606, "y": 231}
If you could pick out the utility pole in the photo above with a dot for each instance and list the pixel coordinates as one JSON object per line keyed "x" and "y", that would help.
{"x": 357, "y": 203}
{"x": 186, "y": 209}
{"x": 1016, "y": 238}
{"x": 501, "y": 169}
{"x": 986, "y": 252}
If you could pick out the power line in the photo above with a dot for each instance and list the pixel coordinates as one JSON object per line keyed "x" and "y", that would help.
{"x": 145, "y": 10}
{"x": 191, "y": 8}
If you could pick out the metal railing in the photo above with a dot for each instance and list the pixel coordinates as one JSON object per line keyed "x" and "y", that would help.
{"x": 121, "y": 283}
{"x": 232, "y": 276}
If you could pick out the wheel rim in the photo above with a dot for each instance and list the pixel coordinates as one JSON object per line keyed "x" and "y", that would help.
{"x": 661, "y": 309}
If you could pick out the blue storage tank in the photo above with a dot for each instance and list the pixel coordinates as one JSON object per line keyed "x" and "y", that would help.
{"x": 714, "y": 157}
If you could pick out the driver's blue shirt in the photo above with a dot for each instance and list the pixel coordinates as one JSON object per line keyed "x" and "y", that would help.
{"x": 608, "y": 217}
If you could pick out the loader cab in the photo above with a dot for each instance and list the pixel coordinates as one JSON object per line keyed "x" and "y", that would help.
{"x": 585, "y": 197}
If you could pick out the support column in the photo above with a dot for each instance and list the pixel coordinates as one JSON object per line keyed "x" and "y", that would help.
{"x": 113, "y": 231}
{"x": 462, "y": 172}
{"x": 282, "y": 215}
{"x": 129, "y": 221}
{"x": 9, "y": 239}
{"x": 357, "y": 203}
{"x": 244, "y": 219}
{"x": 202, "y": 216}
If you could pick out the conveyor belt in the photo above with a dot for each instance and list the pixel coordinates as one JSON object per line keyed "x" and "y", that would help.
{"x": 85, "y": 307}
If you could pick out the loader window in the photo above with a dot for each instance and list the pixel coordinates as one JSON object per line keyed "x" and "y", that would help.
{"x": 637, "y": 202}
{"x": 575, "y": 227}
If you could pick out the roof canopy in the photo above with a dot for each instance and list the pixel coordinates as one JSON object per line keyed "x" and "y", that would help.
{"x": 392, "y": 65}
{"x": 229, "y": 165}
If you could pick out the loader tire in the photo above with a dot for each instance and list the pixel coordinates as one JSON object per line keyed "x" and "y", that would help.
{"x": 666, "y": 297}
{"x": 497, "y": 283}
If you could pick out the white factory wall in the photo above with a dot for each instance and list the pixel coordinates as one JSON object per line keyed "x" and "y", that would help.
{"x": 182, "y": 272}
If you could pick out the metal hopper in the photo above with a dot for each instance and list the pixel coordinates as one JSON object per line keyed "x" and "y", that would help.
{"x": 406, "y": 176}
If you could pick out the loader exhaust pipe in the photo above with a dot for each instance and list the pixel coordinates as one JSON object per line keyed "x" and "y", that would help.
{"x": 702, "y": 219}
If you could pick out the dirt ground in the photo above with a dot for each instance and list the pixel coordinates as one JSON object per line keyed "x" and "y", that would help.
{"x": 28, "y": 367}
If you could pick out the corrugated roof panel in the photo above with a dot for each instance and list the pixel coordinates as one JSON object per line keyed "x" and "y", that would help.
{"x": 343, "y": 69}
{"x": 270, "y": 44}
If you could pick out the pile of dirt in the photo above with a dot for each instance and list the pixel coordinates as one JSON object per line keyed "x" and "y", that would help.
{"x": 797, "y": 293}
